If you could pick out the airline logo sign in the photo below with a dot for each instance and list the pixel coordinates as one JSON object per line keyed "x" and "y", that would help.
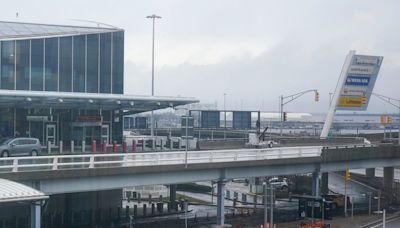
{"x": 359, "y": 83}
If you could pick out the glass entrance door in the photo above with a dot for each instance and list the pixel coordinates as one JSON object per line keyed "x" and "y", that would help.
{"x": 105, "y": 133}
{"x": 51, "y": 134}
{"x": 86, "y": 133}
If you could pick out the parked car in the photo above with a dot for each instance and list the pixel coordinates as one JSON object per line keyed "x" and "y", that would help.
{"x": 279, "y": 183}
{"x": 20, "y": 146}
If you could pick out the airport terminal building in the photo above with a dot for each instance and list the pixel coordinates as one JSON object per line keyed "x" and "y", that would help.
{"x": 66, "y": 83}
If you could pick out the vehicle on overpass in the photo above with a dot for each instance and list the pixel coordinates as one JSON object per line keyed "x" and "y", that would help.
{"x": 20, "y": 146}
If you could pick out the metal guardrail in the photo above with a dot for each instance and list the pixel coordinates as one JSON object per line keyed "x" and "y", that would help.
{"x": 92, "y": 161}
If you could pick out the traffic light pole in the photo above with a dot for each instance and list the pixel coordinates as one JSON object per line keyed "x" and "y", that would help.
{"x": 345, "y": 197}
{"x": 392, "y": 102}
{"x": 287, "y": 99}
{"x": 281, "y": 113}
{"x": 346, "y": 179}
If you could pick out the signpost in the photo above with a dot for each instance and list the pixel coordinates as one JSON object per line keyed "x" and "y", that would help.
{"x": 354, "y": 87}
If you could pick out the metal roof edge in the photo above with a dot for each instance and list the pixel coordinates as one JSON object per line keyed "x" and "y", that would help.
{"x": 24, "y": 93}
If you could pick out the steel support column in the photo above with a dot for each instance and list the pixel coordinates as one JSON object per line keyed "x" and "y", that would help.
{"x": 35, "y": 214}
{"x": 220, "y": 202}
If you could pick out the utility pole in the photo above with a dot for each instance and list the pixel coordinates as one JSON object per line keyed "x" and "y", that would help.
{"x": 265, "y": 204}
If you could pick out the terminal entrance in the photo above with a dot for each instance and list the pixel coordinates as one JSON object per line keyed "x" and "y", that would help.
{"x": 40, "y": 127}
{"x": 88, "y": 132}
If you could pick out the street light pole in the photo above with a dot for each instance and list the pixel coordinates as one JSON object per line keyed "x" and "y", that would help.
{"x": 186, "y": 134}
{"x": 392, "y": 102}
{"x": 153, "y": 17}
{"x": 224, "y": 111}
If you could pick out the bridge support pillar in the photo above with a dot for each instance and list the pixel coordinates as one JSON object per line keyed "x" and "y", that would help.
{"x": 315, "y": 184}
{"x": 370, "y": 173}
{"x": 35, "y": 214}
{"x": 388, "y": 178}
{"x": 220, "y": 203}
{"x": 324, "y": 183}
{"x": 172, "y": 193}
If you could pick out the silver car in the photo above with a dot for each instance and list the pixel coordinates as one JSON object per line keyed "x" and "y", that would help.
{"x": 20, "y": 146}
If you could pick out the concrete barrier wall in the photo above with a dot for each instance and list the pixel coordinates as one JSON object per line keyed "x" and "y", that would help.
{"x": 360, "y": 153}
{"x": 221, "y": 144}
{"x": 317, "y": 141}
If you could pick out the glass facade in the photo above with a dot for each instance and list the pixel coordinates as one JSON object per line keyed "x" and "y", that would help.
{"x": 91, "y": 63}
{"x": 22, "y": 64}
{"x": 51, "y": 64}
{"x": 105, "y": 63}
{"x": 37, "y": 63}
{"x": 7, "y": 65}
{"x": 92, "y": 70}
{"x": 65, "y": 79}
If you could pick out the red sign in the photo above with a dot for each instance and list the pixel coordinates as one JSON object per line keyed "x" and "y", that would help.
{"x": 89, "y": 119}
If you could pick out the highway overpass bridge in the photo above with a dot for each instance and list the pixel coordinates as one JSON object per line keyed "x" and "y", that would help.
{"x": 95, "y": 172}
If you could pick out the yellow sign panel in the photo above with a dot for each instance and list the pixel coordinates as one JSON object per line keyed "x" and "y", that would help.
{"x": 351, "y": 101}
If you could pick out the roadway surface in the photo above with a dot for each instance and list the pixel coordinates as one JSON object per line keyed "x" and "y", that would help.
{"x": 357, "y": 191}
{"x": 378, "y": 172}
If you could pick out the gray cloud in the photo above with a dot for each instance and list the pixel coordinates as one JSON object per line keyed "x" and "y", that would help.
{"x": 252, "y": 50}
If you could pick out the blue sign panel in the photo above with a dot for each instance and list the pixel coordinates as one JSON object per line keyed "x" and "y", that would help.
{"x": 357, "y": 80}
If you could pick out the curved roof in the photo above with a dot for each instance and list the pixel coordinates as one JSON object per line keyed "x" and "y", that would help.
{"x": 18, "y": 30}
{"x": 11, "y": 191}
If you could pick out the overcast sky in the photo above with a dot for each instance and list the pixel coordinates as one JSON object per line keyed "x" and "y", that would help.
{"x": 253, "y": 51}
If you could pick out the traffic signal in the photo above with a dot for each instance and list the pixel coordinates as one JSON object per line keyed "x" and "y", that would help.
{"x": 363, "y": 100}
{"x": 389, "y": 120}
{"x": 316, "y": 96}
{"x": 383, "y": 119}
{"x": 347, "y": 176}
{"x": 284, "y": 116}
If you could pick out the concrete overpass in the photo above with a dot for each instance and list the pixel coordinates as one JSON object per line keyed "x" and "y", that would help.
{"x": 82, "y": 173}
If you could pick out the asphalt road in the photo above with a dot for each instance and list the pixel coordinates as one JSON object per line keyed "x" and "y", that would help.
{"x": 357, "y": 191}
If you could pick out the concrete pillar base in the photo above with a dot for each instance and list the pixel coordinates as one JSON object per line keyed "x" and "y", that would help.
{"x": 370, "y": 173}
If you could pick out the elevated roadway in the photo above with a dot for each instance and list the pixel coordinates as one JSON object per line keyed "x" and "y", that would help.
{"x": 77, "y": 173}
